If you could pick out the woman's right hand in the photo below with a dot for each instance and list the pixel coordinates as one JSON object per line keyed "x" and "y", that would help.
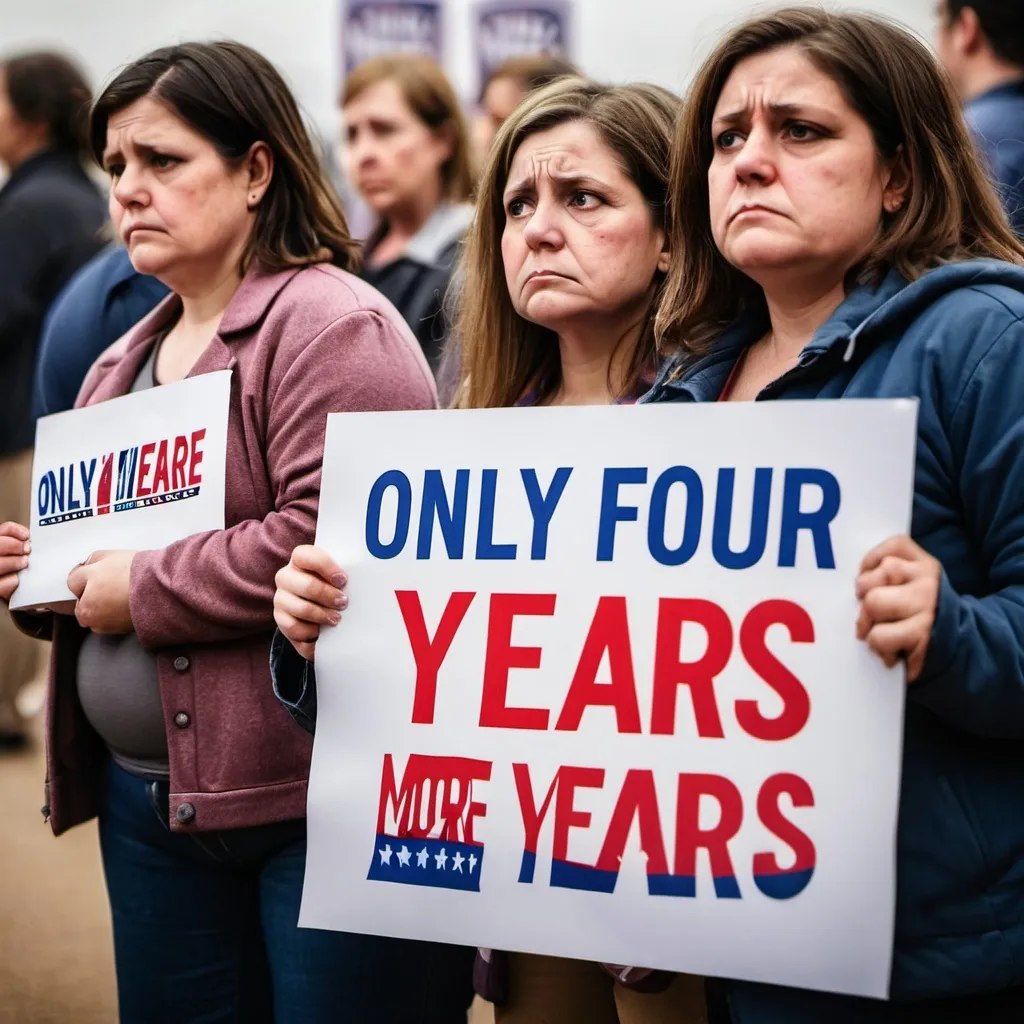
{"x": 14, "y": 551}
{"x": 309, "y": 595}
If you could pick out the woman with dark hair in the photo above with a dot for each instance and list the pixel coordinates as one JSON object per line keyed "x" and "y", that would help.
{"x": 835, "y": 237}
{"x": 50, "y": 214}
{"x": 161, "y": 718}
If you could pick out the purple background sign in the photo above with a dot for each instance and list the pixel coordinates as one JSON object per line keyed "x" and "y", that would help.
{"x": 503, "y": 30}
{"x": 373, "y": 27}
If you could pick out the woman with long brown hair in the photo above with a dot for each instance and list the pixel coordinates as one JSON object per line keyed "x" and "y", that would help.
{"x": 161, "y": 720}
{"x": 834, "y": 236}
{"x": 563, "y": 270}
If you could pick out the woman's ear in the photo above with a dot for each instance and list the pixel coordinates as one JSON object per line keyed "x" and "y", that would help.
{"x": 897, "y": 186}
{"x": 664, "y": 261}
{"x": 261, "y": 171}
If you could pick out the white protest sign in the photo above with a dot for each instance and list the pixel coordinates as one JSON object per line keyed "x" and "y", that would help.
{"x": 598, "y": 691}
{"x": 133, "y": 473}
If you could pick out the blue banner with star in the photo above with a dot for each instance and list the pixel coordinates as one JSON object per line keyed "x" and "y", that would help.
{"x": 435, "y": 862}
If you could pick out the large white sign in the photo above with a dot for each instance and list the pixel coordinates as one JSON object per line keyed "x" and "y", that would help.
{"x": 133, "y": 473}
{"x": 598, "y": 692}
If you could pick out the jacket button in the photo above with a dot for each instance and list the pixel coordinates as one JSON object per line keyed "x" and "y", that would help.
{"x": 185, "y": 814}
{"x": 181, "y": 720}
{"x": 181, "y": 664}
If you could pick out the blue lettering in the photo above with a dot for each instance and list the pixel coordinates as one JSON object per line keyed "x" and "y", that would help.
{"x": 611, "y": 511}
{"x": 58, "y": 492}
{"x": 691, "y": 526}
{"x": 44, "y": 495}
{"x": 542, "y": 506}
{"x": 485, "y": 546}
{"x": 724, "y": 554}
{"x": 127, "y": 463}
{"x": 87, "y": 480}
{"x": 452, "y": 520}
{"x": 72, "y": 504}
{"x": 793, "y": 520}
{"x": 397, "y": 479}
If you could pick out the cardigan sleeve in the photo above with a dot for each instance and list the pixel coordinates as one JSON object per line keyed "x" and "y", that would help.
{"x": 219, "y": 586}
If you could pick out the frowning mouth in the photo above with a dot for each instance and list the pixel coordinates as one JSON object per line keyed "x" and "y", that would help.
{"x": 754, "y": 208}
{"x": 138, "y": 227}
{"x": 546, "y": 275}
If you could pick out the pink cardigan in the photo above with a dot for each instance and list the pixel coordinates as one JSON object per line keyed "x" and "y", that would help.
{"x": 301, "y": 343}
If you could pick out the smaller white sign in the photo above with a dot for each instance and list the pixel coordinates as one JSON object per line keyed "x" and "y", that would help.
{"x": 133, "y": 473}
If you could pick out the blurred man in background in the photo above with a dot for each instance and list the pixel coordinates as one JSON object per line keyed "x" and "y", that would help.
{"x": 982, "y": 45}
{"x": 50, "y": 217}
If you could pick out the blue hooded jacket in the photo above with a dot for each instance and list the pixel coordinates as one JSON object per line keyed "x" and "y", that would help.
{"x": 954, "y": 339}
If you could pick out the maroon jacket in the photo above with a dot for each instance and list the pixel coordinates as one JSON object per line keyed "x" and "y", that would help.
{"x": 301, "y": 343}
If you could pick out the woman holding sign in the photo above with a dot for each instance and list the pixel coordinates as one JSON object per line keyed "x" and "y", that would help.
{"x": 161, "y": 718}
{"x": 834, "y": 236}
{"x": 563, "y": 268}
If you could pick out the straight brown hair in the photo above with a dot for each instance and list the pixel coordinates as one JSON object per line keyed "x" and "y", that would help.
{"x": 235, "y": 97}
{"x": 891, "y": 80}
{"x": 500, "y": 354}
{"x": 432, "y": 99}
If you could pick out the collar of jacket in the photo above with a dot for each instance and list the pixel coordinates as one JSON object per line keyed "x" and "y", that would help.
{"x": 443, "y": 228}
{"x": 120, "y": 364}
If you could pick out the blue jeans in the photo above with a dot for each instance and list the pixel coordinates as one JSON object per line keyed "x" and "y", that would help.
{"x": 205, "y": 931}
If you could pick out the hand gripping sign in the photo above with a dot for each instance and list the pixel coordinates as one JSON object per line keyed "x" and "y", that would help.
{"x": 133, "y": 473}
{"x": 598, "y": 691}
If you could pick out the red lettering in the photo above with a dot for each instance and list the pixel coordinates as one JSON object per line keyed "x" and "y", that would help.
{"x": 502, "y": 657}
{"x": 160, "y": 475}
{"x": 178, "y": 460}
{"x": 142, "y": 490}
{"x": 532, "y": 818}
{"x": 770, "y": 878}
{"x": 104, "y": 486}
{"x": 690, "y": 837}
{"x": 608, "y": 632}
{"x": 670, "y": 673}
{"x": 639, "y": 800}
{"x": 566, "y": 816}
{"x": 796, "y": 703}
{"x": 429, "y": 654}
{"x": 194, "y": 476}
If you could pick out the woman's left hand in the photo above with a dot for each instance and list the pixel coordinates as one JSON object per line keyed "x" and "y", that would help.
{"x": 898, "y": 589}
{"x": 101, "y": 585}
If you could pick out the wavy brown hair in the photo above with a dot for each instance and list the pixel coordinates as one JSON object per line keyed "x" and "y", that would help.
{"x": 894, "y": 83}
{"x": 235, "y": 97}
{"x": 500, "y": 354}
{"x": 432, "y": 99}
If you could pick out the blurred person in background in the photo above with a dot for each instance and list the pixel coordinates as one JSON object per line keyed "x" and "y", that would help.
{"x": 506, "y": 87}
{"x": 563, "y": 270}
{"x": 982, "y": 45}
{"x": 161, "y": 719}
{"x": 50, "y": 217}
{"x": 407, "y": 152}
{"x": 104, "y": 300}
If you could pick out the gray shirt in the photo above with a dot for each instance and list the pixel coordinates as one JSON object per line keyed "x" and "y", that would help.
{"x": 119, "y": 684}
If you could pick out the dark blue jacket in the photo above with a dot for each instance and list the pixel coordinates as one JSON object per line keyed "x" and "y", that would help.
{"x": 955, "y": 340}
{"x": 50, "y": 217}
{"x": 997, "y": 120}
{"x": 100, "y": 303}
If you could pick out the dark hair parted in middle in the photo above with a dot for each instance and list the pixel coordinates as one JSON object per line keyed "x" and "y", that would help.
{"x": 236, "y": 98}
{"x": 894, "y": 83}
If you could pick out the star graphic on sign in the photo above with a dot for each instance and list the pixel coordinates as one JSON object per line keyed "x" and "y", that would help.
{"x": 457, "y": 862}
{"x": 385, "y": 855}
{"x": 421, "y": 858}
{"x": 472, "y": 862}
{"x": 403, "y": 856}
{"x": 441, "y": 858}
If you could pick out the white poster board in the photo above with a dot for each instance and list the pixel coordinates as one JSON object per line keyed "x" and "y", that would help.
{"x": 133, "y": 473}
{"x": 638, "y": 726}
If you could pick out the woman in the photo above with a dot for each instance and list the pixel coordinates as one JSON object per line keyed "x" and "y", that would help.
{"x": 407, "y": 153}
{"x": 506, "y": 87}
{"x": 50, "y": 216}
{"x": 563, "y": 268}
{"x": 835, "y": 237}
{"x": 161, "y": 719}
